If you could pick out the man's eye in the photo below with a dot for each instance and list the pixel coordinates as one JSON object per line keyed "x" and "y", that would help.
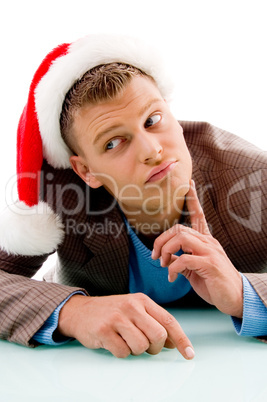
{"x": 152, "y": 120}
{"x": 113, "y": 144}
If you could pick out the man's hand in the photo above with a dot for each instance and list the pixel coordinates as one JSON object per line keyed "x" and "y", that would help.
{"x": 204, "y": 264}
{"x": 123, "y": 324}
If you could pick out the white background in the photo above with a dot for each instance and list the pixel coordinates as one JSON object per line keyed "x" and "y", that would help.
{"x": 215, "y": 51}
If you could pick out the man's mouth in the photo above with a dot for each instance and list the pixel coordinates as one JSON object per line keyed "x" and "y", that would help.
{"x": 160, "y": 171}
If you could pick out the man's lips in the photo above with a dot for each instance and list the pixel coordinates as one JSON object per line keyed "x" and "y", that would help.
{"x": 160, "y": 171}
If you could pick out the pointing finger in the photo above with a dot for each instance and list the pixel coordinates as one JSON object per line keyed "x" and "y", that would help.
{"x": 198, "y": 220}
{"x": 176, "y": 335}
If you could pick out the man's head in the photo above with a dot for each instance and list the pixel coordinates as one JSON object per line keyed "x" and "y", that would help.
{"x": 122, "y": 132}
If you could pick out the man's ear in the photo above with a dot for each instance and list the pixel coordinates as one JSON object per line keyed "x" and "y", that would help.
{"x": 81, "y": 169}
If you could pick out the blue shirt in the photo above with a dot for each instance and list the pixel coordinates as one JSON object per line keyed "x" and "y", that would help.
{"x": 254, "y": 322}
{"x": 45, "y": 333}
{"x": 148, "y": 276}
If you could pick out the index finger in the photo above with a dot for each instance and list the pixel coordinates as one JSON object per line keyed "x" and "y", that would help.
{"x": 197, "y": 217}
{"x": 173, "y": 328}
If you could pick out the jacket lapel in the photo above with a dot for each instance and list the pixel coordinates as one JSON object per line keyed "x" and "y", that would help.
{"x": 107, "y": 240}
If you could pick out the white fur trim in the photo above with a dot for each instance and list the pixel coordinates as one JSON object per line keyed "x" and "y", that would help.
{"x": 30, "y": 231}
{"x": 83, "y": 55}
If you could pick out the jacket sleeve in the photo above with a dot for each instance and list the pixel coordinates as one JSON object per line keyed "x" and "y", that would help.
{"x": 25, "y": 303}
{"x": 259, "y": 283}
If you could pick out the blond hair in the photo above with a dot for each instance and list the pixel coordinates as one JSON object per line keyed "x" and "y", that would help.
{"x": 99, "y": 84}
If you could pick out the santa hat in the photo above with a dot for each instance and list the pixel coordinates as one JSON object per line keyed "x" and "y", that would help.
{"x": 30, "y": 227}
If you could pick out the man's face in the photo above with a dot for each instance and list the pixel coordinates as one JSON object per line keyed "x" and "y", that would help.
{"x": 134, "y": 147}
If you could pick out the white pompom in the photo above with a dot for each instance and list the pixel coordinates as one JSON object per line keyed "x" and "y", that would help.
{"x": 30, "y": 231}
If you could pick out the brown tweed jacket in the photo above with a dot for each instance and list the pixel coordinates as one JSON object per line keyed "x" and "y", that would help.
{"x": 231, "y": 179}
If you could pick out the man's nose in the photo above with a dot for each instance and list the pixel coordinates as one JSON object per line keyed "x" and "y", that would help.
{"x": 149, "y": 147}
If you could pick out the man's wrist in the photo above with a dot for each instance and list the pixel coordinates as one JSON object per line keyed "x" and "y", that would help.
{"x": 68, "y": 315}
{"x": 240, "y": 299}
{"x": 48, "y": 333}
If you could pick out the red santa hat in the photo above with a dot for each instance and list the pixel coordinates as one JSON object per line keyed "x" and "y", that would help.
{"x": 30, "y": 227}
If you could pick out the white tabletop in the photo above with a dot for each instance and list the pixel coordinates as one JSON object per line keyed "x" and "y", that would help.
{"x": 226, "y": 368}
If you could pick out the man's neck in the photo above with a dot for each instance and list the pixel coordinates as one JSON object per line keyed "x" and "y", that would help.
{"x": 151, "y": 225}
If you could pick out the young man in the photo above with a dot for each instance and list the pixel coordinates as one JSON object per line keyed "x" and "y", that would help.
{"x": 128, "y": 221}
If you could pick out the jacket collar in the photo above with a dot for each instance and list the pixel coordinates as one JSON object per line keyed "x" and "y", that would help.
{"x": 207, "y": 204}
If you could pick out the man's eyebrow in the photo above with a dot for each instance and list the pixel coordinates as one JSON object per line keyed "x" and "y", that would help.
{"x": 116, "y": 126}
{"x": 147, "y": 106}
{"x": 105, "y": 132}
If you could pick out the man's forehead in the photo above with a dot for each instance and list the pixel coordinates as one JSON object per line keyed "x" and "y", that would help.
{"x": 135, "y": 101}
{"x": 113, "y": 127}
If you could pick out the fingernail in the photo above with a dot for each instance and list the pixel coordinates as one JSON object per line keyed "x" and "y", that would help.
{"x": 189, "y": 352}
{"x": 153, "y": 254}
{"x": 193, "y": 183}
